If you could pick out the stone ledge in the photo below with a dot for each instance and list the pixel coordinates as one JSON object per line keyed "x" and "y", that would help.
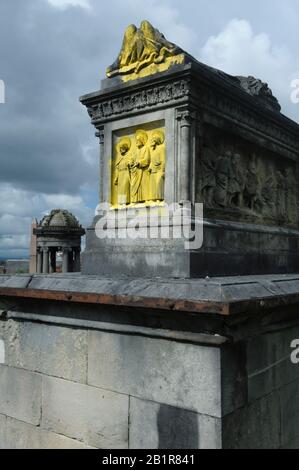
{"x": 221, "y": 296}
{"x": 145, "y": 331}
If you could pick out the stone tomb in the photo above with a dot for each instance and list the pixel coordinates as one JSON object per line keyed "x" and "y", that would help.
{"x": 185, "y": 132}
{"x": 149, "y": 361}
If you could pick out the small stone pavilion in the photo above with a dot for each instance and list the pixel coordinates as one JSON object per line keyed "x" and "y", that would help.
{"x": 58, "y": 232}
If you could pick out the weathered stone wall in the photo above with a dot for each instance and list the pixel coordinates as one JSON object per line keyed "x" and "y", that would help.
{"x": 77, "y": 388}
{"x": 70, "y": 387}
{"x": 77, "y": 371}
{"x": 269, "y": 417}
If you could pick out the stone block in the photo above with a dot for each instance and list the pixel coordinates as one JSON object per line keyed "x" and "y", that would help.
{"x": 233, "y": 377}
{"x": 292, "y": 445}
{"x": 9, "y": 335}
{"x": 2, "y": 351}
{"x": 157, "y": 426}
{"x": 3, "y": 432}
{"x": 20, "y": 393}
{"x": 19, "y": 435}
{"x": 97, "y": 417}
{"x": 181, "y": 375}
{"x": 49, "y": 349}
{"x": 269, "y": 362}
{"x": 256, "y": 426}
{"x": 289, "y": 398}
{"x": 16, "y": 282}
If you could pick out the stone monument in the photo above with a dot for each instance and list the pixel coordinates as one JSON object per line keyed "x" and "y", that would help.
{"x": 174, "y": 131}
{"x": 148, "y": 348}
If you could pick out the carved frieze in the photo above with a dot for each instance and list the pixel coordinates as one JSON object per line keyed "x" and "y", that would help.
{"x": 214, "y": 101}
{"x": 140, "y": 100}
{"x": 241, "y": 181}
{"x": 235, "y": 110}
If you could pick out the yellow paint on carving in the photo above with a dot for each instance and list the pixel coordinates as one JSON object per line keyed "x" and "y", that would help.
{"x": 144, "y": 52}
{"x": 152, "y": 69}
{"x": 138, "y": 169}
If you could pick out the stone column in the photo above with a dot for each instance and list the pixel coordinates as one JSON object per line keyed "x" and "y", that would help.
{"x": 71, "y": 260}
{"x": 39, "y": 261}
{"x": 33, "y": 249}
{"x": 77, "y": 263}
{"x": 53, "y": 260}
{"x": 185, "y": 116}
{"x": 65, "y": 260}
{"x": 45, "y": 260}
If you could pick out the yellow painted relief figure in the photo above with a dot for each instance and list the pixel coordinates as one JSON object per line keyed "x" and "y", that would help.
{"x": 142, "y": 48}
{"x": 139, "y": 169}
{"x": 122, "y": 172}
{"x": 157, "y": 166}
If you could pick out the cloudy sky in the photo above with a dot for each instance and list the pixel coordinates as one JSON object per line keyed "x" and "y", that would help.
{"x": 53, "y": 51}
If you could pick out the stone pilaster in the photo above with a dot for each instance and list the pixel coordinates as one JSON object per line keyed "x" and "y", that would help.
{"x": 65, "y": 260}
{"x": 186, "y": 119}
{"x": 77, "y": 260}
{"x": 100, "y": 134}
{"x": 53, "y": 260}
{"x": 39, "y": 261}
{"x": 45, "y": 260}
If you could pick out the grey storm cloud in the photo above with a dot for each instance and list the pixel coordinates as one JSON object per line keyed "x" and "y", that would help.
{"x": 45, "y": 69}
{"x": 52, "y": 52}
{"x": 49, "y": 57}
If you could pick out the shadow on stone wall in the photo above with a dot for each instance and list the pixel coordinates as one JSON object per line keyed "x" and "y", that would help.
{"x": 177, "y": 428}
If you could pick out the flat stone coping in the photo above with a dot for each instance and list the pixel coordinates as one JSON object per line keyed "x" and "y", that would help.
{"x": 221, "y": 296}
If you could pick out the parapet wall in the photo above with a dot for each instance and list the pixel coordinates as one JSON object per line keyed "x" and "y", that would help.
{"x": 67, "y": 387}
{"x": 82, "y": 375}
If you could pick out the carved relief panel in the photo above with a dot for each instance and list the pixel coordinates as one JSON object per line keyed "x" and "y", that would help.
{"x": 138, "y": 166}
{"x": 239, "y": 181}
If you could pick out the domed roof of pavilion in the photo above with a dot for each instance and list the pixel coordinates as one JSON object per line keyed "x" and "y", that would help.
{"x": 60, "y": 218}
{"x": 59, "y": 221}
